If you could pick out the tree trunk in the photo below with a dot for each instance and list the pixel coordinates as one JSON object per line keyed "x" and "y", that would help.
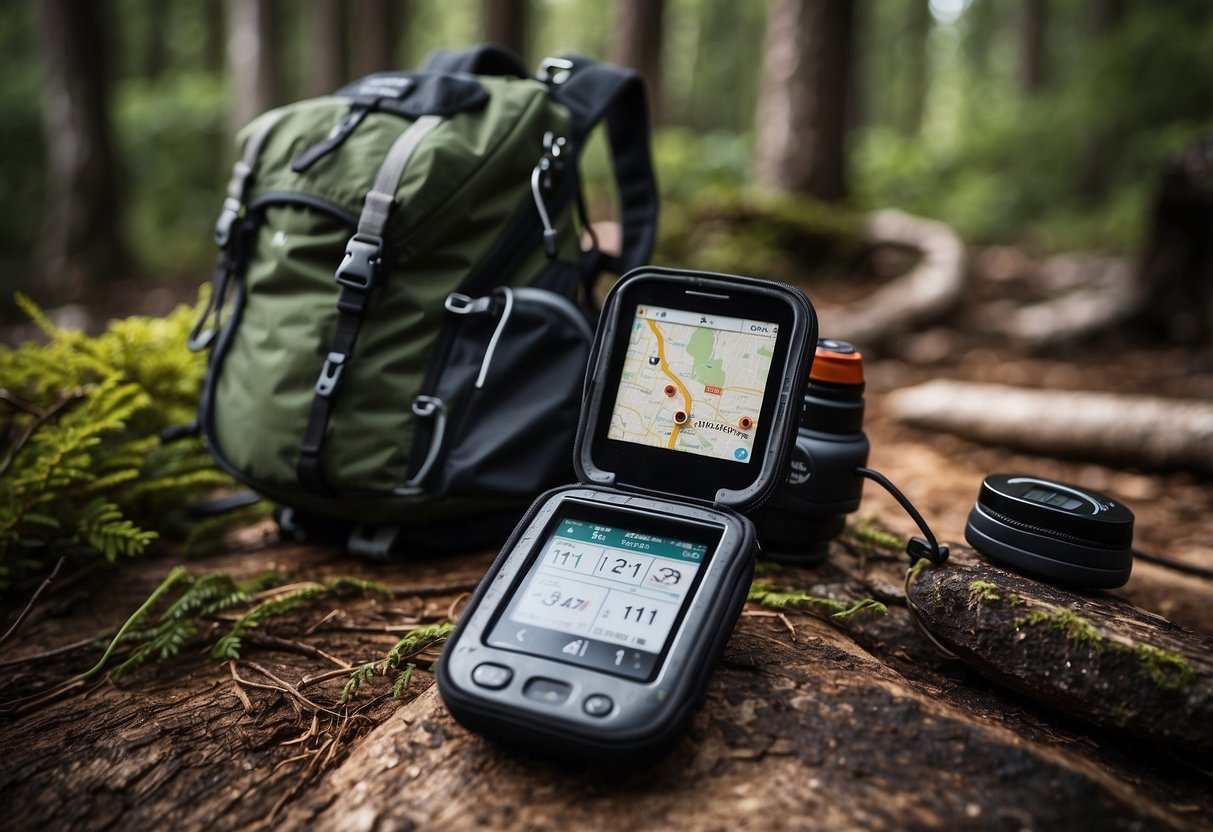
{"x": 81, "y": 241}
{"x": 636, "y": 41}
{"x": 801, "y": 110}
{"x": 1106, "y": 17}
{"x": 252, "y": 50}
{"x": 506, "y": 22}
{"x": 914, "y": 69}
{"x": 155, "y": 55}
{"x": 1176, "y": 273}
{"x": 378, "y": 26}
{"x": 1033, "y": 17}
{"x": 325, "y": 67}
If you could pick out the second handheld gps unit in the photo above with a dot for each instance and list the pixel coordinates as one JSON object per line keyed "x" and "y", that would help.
{"x": 593, "y": 635}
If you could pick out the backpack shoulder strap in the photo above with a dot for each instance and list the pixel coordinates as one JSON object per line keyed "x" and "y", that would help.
{"x": 229, "y": 217}
{"x": 356, "y": 276}
{"x": 593, "y": 92}
{"x": 485, "y": 59}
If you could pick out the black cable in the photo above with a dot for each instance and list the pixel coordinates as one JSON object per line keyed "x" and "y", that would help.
{"x": 917, "y": 547}
{"x": 1171, "y": 563}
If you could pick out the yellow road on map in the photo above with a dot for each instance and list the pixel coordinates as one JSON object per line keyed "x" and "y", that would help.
{"x": 665, "y": 368}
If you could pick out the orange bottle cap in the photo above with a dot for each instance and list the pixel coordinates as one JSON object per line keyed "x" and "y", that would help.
{"x": 837, "y": 367}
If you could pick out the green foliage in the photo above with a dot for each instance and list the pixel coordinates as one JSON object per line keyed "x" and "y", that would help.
{"x": 414, "y": 642}
{"x": 1073, "y": 165}
{"x": 763, "y": 593}
{"x": 297, "y": 597}
{"x": 83, "y": 473}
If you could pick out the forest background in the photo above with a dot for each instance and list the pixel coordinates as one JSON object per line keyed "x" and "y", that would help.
{"x": 1043, "y": 123}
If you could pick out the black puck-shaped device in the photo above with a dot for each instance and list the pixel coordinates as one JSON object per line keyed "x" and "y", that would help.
{"x": 1052, "y": 530}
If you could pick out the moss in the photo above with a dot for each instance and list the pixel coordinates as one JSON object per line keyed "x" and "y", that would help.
{"x": 868, "y": 533}
{"x": 1076, "y": 628}
{"x": 1168, "y": 670}
{"x": 763, "y": 593}
{"x": 983, "y": 591}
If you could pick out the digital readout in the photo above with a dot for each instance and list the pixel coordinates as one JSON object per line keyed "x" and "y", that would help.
{"x": 601, "y": 596}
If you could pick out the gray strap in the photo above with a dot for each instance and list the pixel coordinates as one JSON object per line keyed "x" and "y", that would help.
{"x": 381, "y": 197}
{"x": 242, "y": 176}
{"x": 243, "y": 170}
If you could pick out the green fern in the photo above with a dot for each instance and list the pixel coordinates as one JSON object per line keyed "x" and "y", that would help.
{"x": 414, "y": 642}
{"x": 228, "y": 647}
{"x": 82, "y": 472}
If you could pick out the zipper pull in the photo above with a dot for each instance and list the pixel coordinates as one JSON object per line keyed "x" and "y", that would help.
{"x": 542, "y": 182}
{"x": 336, "y": 137}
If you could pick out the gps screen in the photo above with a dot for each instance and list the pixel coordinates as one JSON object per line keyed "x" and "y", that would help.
{"x": 693, "y": 382}
{"x": 602, "y": 596}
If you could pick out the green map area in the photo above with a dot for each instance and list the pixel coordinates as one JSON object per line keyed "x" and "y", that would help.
{"x": 690, "y": 388}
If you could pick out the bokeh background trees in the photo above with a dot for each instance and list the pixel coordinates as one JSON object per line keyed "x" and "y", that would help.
{"x": 1046, "y": 124}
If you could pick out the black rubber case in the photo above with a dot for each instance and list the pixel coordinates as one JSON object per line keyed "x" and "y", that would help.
{"x": 645, "y": 716}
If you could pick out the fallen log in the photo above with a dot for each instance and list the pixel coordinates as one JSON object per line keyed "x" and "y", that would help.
{"x": 920, "y": 297}
{"x": 1091, "y": 655}
{"x": 1145, "y": 431}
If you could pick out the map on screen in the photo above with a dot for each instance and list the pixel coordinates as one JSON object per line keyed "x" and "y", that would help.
{"x": 693, "y": 382}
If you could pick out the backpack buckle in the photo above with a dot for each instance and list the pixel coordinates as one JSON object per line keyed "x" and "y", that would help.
{"x": 228, "y": 218}
{"x": 330, "y": 374}
{"x": 555, "y": 71}
{"x": 363, "y": 254}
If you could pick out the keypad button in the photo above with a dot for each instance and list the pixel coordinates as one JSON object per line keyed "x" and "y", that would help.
{"x": 548, "y": 691}
{"x": 597, "y": 704}
{"x": 492, "y": 676}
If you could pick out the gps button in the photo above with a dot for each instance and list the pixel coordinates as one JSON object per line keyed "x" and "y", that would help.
{"x": 548, "y": 691}
{"x": 492, "y": 676}
{"x": 598, "y": 704}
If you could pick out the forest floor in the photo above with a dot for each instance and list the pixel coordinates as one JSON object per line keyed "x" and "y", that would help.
{"x": 810, "y": 723}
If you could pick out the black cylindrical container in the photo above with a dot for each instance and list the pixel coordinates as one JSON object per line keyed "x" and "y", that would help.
{"x": 822, "y": 486}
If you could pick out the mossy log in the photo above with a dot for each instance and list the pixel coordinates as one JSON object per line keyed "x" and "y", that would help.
{"x": 1092, "y": 655}
{"x": 1148, "y": 431}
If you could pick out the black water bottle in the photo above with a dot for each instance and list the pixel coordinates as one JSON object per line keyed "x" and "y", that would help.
{"x": 822, "y": 487}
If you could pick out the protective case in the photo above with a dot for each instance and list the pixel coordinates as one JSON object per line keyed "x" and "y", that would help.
{"x": 645, "y": 716}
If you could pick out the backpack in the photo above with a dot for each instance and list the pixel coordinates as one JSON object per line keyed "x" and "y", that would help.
{"x": 410, "y": 304}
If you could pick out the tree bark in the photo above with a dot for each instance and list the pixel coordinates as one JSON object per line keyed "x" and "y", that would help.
{"x": 252, "y": 50}
{"x": 378, "y": 26}
{"x": 327, "y": 58}
{"x": 507, "y": 22}
{"x": 636, "y": 41}
{"x": 1126, "y": 669}
{"x": 81, "y": 242}
{"x": 802, "y": 106}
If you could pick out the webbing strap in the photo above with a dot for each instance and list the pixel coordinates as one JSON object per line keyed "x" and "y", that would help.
{"x": 593, "y": 92}
{"x": 229, "y": 217}
{"x": 356, "y": 277}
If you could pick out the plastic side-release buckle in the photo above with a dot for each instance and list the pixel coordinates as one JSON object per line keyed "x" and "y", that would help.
{"x": 330, "y": 374}
{"x": 363, "y": 254}
{"x": 228, "y": 217}
{"x": 554, "y": 70}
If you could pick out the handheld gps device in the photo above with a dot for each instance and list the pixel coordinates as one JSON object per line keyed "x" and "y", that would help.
{"x": 1053, "y": 530}
{"x": 594, "y": 633}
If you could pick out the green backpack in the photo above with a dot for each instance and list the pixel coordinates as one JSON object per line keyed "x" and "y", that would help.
{"x": 410, "y": 305}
